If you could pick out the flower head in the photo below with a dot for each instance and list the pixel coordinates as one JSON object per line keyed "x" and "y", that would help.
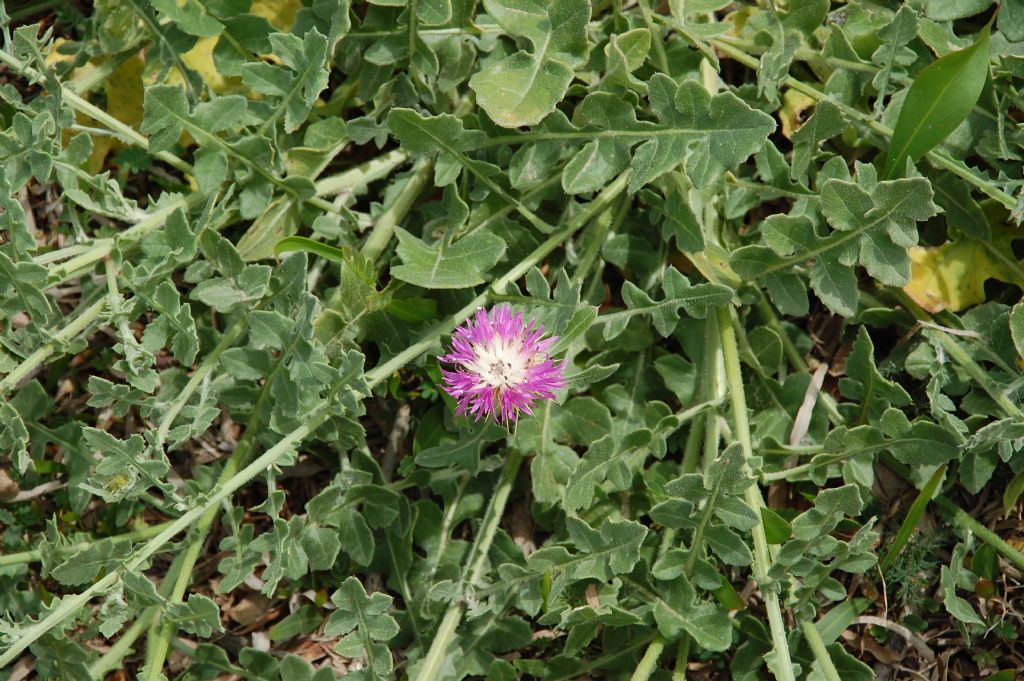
{"x": 501, "y": 365}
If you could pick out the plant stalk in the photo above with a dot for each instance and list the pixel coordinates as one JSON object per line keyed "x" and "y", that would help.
{"x": 762, "y": 560}
{"x": 76, "y": 326}
{"x": 821, "y": 654}
{"x": 495, "y": 509}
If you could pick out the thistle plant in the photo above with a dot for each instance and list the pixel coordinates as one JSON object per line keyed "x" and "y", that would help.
{"x": 501, "y": 339}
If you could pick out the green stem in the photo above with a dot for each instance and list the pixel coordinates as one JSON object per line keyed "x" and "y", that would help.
{"x": 384, "y": 228}
{"x": 358, "y": 177}
{"x": 682, "y": 659}
{"x": 762, "y": 560}
{"x": 76, "y": 326}
{"x": 37, "y": 555}
{"x": 965, "y": 520}
{"x": 160, "y": 639}
{"x": 111, "y": 659}
{"x": 828, "y": 668}
{"x": 439, "y": 646}
{"x": 649, "y": 662}
{"x": 208, "y": 364}
{"x": 101, "y": 248}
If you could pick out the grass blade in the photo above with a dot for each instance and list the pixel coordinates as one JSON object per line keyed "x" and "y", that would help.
{"x": 913, "y": 516}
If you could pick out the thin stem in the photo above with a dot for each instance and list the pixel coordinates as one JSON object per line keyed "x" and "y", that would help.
{"x": 356, "y": 178}
{"x": 828, "y": 668}
{"x": 208, "y": 364}
{"x": 682, "y": 659}
{"x": 384, "y": 227}
{"x": 482, "y": 544}
{"x": 157, "y": 650}
{"x": 78, "y": 325}
{"x": 762, "y": 560}
{"x": 37, "y": 555}
{"x": 111, "y": 659}
{"x": 964, "y": 519}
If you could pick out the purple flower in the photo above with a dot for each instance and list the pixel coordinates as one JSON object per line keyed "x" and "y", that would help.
{"x": 501, "y": 365}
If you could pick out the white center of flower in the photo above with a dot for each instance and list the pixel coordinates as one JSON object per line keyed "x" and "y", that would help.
{"x": 500, "y": 363}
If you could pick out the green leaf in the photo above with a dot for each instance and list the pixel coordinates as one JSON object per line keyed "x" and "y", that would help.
{"x": 298, "y": 82}
{"x": 941, "y": 97}
{"x": 949, "y": 578}
{"x": 624, "y": 54}
{"x": 21, "y": 288}
{"x": 679, "y": 293}
{"x": 199, "y": 615}
{"x": 865, "y": 383}
{"x": 191, "y": 16}
{"x": 175, "y": 323}
{"x": 919, "y": 443}
{"x": 441, "y": 136}
{"x": 776, "y": 528}
{"x": 874, "y": 223}
{"x": 603, "y": 460}
{"x": 826, "y": 122}
{"x": 465, "y": 453}
{"x": 83, "y": 566}
{"x": 292, "y": 244}
{"x": 321, "y": 545}
{"x": 1012, "y": 493}
{"x": 830, "y": 506}
{"x": 447, "y": 264}
{"x": 893, "y": 55}
{"x": 680, "y": 611}
{"x": 125, "y": 467}
{"x": 303, "y": 621}
{"x": 366, "y": 614}
{"x": 524, "y": 87}
{"x": 1017, "y": 327}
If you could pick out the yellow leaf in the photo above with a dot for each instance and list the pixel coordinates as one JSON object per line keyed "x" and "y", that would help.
{"x": 280, "y": 13}
{"x": 952, "y": 276}
{"x": 794, "y": 104}
{"x": 125, "y": 92}
{"x": 200, "y": 60}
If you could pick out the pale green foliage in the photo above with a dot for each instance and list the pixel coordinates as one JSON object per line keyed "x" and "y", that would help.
{"x": 236, "y": 237}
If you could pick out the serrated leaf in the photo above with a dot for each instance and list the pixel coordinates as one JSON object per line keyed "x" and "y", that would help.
{"x": 199, "y": 615}
{"x": 298, "y": 82}
{"x": 679, "y": 293}
{"x": 447, "y": 265}
{"x": 893, "y": 55}
{"x": 524, "y": 87}
{"x": 367, "y": 614}
{"x": 874, "y": 223}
